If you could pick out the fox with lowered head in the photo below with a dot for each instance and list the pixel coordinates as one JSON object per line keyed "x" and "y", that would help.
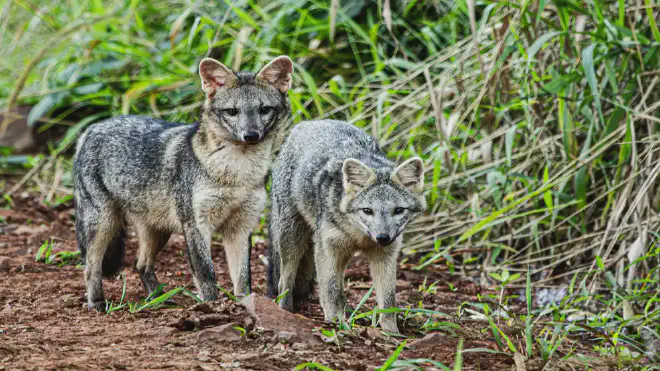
{"x": 167, "y": 177}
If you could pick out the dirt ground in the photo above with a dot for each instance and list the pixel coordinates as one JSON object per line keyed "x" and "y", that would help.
{"x": 44, "y": 324}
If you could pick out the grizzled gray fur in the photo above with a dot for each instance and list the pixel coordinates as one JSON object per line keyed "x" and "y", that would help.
{"x": 167, "y": 177}
{"x": 334, "y": 193}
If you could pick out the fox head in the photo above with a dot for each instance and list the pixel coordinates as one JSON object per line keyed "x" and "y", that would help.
{"x": 244, "y": 107}
{"x": 382, "y": 201}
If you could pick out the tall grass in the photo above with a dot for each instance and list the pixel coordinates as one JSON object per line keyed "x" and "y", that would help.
{"x": 538, "y": 120}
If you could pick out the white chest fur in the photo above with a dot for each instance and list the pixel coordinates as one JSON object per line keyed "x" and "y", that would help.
{"x": 235, "y": 182}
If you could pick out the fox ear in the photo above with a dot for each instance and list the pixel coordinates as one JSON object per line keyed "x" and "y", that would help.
{"x": 356, "y": 175}
{"x": 214, "y": 75}
{"x": 410, "y": 174}
{"x": 278, "y": 73}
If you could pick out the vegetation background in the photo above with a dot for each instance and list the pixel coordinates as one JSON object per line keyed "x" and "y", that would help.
{"x": 537, "y": 119}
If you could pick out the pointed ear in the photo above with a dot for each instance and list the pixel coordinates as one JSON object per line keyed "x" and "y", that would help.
{"x": 410, "y": 174}
{"x": 356, "y": 175}
{"x": 214, "y": 75}
{"x": 278, "y": 73}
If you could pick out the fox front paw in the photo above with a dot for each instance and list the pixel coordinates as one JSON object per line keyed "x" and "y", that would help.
{"x": 286, "y": 302}
{"x": 389, "y": 324}
{"x": 339, "y": 319}
{"x": 98, "y": 306}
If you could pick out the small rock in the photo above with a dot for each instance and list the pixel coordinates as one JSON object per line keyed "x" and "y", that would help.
{"x": 248, "y": 322}
{"x": 213, "y": 320}
{"x": 299, "y": 346}
{"x": 69, "y": 301}
{"x": 202, "y": 307}
{"x": 9, "y": 228}
{"x": 65, "y": 217}
{"x": 224, "y": 333}
{"x": 167, "y": 331}
{"x": 186, "y": 323}
{"x": 372, "y": 333}
{"x": 415, "y": 296}
{"x": 4, "y": 264}
{"x": 428, "y": 341}
{"x": 286, "y": 337}
{"x": 271, "y": 317}
{"x": 26, "y": 229}
{"x": 401, "y": 284}
{"x": 7, "y": 311}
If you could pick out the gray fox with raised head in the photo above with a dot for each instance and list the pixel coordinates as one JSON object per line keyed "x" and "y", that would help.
{"x": 168, "y": 177}
{"x": 334, "y": 192}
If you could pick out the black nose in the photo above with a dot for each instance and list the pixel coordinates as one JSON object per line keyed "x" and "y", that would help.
{"x": 251, "y": 136}
{"x": 383, "y": 239}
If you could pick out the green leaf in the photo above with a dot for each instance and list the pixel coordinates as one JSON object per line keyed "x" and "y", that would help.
{"x": 580, "y": 182}
{"x": 386, "y": 366}
{"x": 508, "y": 143}
{"x": 44, "y": 251}
{"x": 242, "y": 15}
{"x": 547, "y": 195}
{"x": 538, "y": 44}
{"x": 558, "y": 84}
{"x": 360, "y": 304}
{"x": 160, "y": 299}
{"x": 590, "y": 73}
{"x": 566, "y": 126}
{"x": 626, "y": 145}
{"x": 652, "y": 20}
{"x": 313, "y": 366}
{"x": 41, "y": 109}
{"x": 458, "y": 359}
{"x": 88, "y": 89}
{"x": 528, "y": 318}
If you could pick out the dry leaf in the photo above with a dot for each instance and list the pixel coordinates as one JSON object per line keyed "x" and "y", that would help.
{"x": 334, "y": 7}
{"x": 486, "y": 151}
{"x": 451, "y": 123}
{"x": 519, "y": 360}
{"x": 387, "y": 15}
{"x": 637, "y": 250}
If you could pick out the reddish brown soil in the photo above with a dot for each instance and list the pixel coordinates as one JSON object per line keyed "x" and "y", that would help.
{"x": 45, "y": 326}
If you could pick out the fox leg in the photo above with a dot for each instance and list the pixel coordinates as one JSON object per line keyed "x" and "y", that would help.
{"x": 304, "y": 286}
{"x": 382, "y": 265}
{"x": 107, "y": 226}
{"x": 151, "y": 241}
{"x": 290, "y": 236}
{"x": 331, "y": 260}
{"x": 198, "y": 240}
{"x": 236, "y": 232}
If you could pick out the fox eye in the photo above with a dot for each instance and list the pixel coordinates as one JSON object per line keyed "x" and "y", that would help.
{"x": 398, "y": 210}
{"x": 265, "y": 110}
{"x": 230, "y": 111}
{"x": 367, "y": 211}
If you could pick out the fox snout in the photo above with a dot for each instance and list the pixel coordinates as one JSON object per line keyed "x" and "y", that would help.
{"x": 384, "y": 239}
{"x": 251, "y": 137}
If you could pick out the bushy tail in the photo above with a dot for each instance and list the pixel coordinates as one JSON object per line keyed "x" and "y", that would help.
{"x": 113, "y": 259}
{"x": 273, "y": 268}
